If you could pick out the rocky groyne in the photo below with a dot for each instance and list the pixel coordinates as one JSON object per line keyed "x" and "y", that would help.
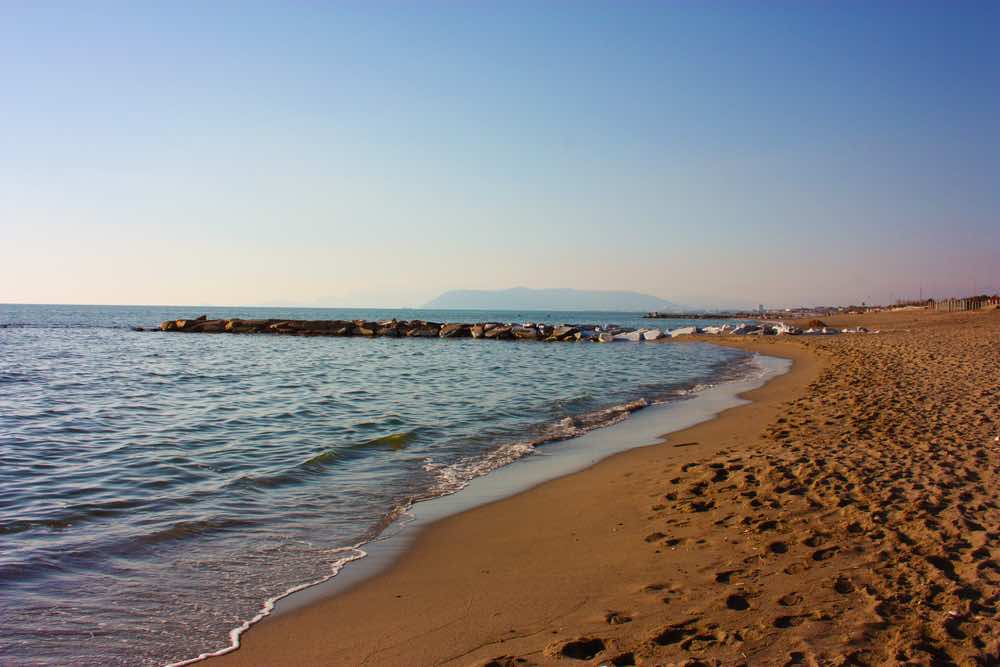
{"x": 488, "y": 330}
{"x": 400, "y": 329}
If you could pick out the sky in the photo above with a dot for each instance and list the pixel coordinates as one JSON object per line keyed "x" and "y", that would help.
{"x": 378, "y": 153}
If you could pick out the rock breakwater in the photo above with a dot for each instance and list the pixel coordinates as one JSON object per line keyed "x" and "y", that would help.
{"x": 488, "y": 330}
{"x": 401, "y": 329}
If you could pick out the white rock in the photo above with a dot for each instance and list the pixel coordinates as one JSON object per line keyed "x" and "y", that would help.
{"x": 652, "y": 334}
{"x": 631, "y": 336}
{"x": 782, "y": 329}
{"x": 743, "y": 329}
{"x": 683, "y": 331}
{"x": 604, "y": 337}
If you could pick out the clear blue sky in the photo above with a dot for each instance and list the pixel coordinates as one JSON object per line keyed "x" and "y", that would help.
{"x": 378, "y": 153}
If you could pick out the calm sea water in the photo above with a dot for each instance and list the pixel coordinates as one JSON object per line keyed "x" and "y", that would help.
{"x": 156, "y": 489}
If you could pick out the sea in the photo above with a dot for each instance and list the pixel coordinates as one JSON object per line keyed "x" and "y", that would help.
{"x": 158, "y": 491}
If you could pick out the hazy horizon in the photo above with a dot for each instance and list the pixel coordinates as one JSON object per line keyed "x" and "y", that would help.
{"x": 377, "y": 155}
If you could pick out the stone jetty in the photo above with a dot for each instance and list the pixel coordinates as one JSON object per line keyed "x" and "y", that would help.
{"x": 487, "y": 330}
{"x": 400, "y": 329}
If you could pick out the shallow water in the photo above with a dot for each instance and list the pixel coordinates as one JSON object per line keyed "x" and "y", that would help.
{"x": 156, "y": 488}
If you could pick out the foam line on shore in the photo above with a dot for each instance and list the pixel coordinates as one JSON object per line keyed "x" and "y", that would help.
{"x": 268, "y": 606}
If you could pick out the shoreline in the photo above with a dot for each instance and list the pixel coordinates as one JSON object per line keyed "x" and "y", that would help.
{"x": 288, "y": 632}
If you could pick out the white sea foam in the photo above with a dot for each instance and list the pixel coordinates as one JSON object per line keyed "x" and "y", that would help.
{"x": 234, "y": 635}
{"x": 456, "y": 476}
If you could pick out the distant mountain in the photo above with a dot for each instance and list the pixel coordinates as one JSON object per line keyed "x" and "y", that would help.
{"x": 524, "y": 298}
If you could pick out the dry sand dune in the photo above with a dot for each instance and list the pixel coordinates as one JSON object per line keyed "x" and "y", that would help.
{"x": 849, "y": 516}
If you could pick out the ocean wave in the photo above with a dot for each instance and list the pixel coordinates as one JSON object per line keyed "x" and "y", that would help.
{"x": 453, "y": 477}
{"x": 395, "y": 441}
{"x": 187, "y": 529}
{"x": 323, "y": 460}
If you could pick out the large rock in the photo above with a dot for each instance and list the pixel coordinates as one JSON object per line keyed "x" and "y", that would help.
{"x": 526, "y": 333}
{"x": 683, "y": 331}
{"x": 248, "y": 326}
{"x": 501, "y": 332}
{"x": 169, "y": 325}
{"x": 564, "y": 332}
{"x": 364, "y": 328}
{"x": 652, "y": 334}
{"x": 629, "y": 336}
{"x": 189, "y": 325}
{"x": 745, "y": 329}
{"x": 419, "y": 329}
{"x": 605, "y": 337}
{"x": 206, "y": 326}
{"x": 455, "y": 330}
{"x": 477, "y": 330}
{"x": 342, "y": 329}
{"x": 388, "y": 328}
{"x": 783, "y": 329}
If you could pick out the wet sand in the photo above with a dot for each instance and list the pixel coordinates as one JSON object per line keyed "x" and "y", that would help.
{"x": 848, "y": 515}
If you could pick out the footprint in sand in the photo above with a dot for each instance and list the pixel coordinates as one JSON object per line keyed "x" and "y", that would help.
{"x": 814, "y": 540}
{"x": 737, "y": 602}
{"x": 697, "y": 506}
{"x": 778, "y": 548}
{"x": 726, "y": 576}
{"x": 699, "y": 642}
{"x": 622, "y": 660}
{"x": 765, "y": 526}
{"x": 617, "y": 618}
{"x": 843, "y": 585}
{"x": 785, "y": 622}
{"x": 674, "y": 634}
{"x": 585, "y": 648}
{"x": 507, "y": 661}
{"x": 790, "y": 599}
{"x": 795, "y": 568}
{"x": 795, "y": 658}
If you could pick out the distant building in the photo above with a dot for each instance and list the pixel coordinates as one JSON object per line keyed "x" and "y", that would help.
{"x": 760, "y": 309}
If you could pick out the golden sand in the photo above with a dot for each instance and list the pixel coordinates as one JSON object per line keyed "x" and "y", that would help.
{"x": 849, "y": 515}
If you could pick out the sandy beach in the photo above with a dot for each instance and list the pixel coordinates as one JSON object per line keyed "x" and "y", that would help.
{"x": 847, "y": 515}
